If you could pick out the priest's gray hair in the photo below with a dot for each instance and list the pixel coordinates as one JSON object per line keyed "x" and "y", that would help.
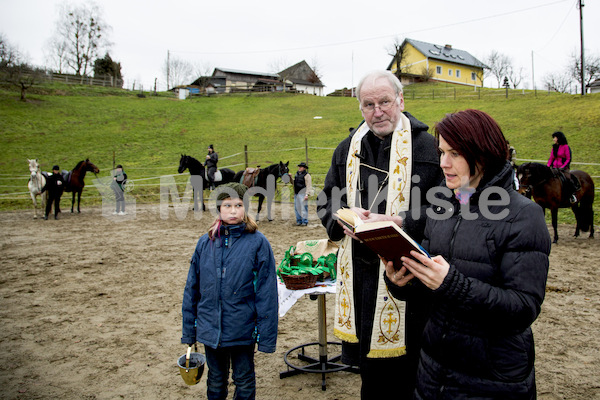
{"x": 374, "y": 75}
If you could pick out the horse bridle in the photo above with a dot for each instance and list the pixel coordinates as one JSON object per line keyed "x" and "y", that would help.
{"x": 529, "y": 188}
{"x": 38, "y": 179}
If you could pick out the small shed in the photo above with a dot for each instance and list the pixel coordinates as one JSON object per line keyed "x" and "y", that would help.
{"x": 594, "y": 87}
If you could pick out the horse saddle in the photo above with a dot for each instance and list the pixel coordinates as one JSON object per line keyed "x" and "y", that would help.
{"x": 250, "y": 176}
{"x": 218, "y": 175}
{"x": 569, "y": 182}
{"x": 66, "y": 176}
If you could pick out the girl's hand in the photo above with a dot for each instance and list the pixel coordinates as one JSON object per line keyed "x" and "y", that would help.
{"x": 398, "y": 277}
{"x": 430, "y": 271}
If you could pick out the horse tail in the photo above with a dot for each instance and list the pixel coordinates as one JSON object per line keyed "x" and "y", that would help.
{"x": 585, "y": 217}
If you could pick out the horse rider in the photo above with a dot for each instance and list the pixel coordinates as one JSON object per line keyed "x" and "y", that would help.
{"x": 560, "y": 158}
{"x": 55, "y": 185}
{"x": 212, "y": 158}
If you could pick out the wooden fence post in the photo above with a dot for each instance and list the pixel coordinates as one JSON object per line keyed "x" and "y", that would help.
{"x": 306, "y": 149}
{"x": 246, "y": 154}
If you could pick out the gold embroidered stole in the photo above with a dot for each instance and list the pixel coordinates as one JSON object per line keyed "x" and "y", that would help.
{"x": 388, "y": 335}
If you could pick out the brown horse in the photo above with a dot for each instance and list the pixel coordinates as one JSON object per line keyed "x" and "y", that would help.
{"x": 545, "y": 185}
{"x": 74, "y": 180}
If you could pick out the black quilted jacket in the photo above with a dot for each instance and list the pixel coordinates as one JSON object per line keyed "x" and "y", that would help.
{"x": 478, "y": 342}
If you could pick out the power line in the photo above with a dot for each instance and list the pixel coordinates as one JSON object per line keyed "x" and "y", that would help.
{"x": 375, "y": 37}
{"x": 559, "y": 27}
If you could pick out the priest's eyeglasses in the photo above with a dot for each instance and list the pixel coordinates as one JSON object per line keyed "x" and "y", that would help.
{"x": 385, "y": 105}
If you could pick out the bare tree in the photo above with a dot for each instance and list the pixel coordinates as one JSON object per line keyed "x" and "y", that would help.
{"x": 55, "y": 55}
{"x": 592, "y": 68}
{"x": 81, "y": 34}
{"x": 499, "y": 64}
{"x": 280, "y": 67}
{"x": 9, "y": 55}
{"x": 315, "y": 73}
{"x": 515, "y": 76}
{"x": 24, "y": 76}
{"x": 279, "y": 64}
{"x": 398, "y": 51}
{"x": 177, "y": 71}
{"x": 201, "y": 73}
{"x": 14, "y": 70}
{"x": 427, "y": 73}
{"x": 559, "y": 82}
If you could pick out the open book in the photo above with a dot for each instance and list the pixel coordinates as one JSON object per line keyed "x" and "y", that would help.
{"x": 383, "y": 237}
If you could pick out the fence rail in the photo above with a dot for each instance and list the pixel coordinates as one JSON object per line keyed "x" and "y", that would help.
{"x": 107, "y": 81}
{"x": 9, "y": 190}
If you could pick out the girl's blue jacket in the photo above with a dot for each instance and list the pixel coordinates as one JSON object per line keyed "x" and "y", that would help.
{"x": 230, "y": 296}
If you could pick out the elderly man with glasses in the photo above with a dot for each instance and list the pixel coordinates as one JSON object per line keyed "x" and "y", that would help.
{"x": 386, "y": 167}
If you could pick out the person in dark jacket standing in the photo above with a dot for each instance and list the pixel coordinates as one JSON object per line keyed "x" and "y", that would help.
{"x": 118, "y": 187}
{"x": 230, "y": 298}
{"x": 212, "y": 158}
{"x": 383, "y": 171}
{"x": 55, "y": 185}
{"x": 487, "y": 280}
{"x": 302, "y": 189}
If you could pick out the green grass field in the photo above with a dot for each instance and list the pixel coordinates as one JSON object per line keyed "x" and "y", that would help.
{"x": 66, "y": 124}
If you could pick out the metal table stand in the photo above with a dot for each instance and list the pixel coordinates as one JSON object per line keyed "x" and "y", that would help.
{"x": 324, "y": 364}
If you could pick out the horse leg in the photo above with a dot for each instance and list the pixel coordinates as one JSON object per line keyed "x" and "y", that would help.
{"x": 591, "y": 222}
{"x": 79, "y": 200}
{"x": 33, "y": 197}
{"x": 195, "y": 197}
{"x": 73, "y": 201}
{"x": 554, "y": 213}
{"x": 269, "y": 204}
{"x": 577, "y": 211}
{"x": 261, "y": 198}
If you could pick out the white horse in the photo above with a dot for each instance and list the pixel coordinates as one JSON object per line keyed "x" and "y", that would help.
{"x": 36, "y": 183}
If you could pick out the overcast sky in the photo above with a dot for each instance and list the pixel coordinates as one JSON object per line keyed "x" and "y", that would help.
{"x": 344, "y": 38}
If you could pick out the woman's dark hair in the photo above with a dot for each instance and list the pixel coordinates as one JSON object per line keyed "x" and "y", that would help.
{"x": 477, "y": 137}
{"x": 561, "y": 139}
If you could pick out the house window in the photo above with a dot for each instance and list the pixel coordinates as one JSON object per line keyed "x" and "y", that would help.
{"x": 458, "y": 73}
{"x": 449, "y": 72}
{"x": 473, "y": 77}
{"x": 438, "y": 70}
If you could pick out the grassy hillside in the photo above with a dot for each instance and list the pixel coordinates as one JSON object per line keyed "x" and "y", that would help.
{"x": 63, "y": 125}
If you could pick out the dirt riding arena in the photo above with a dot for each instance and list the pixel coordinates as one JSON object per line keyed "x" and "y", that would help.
{"x": 90, "y": 308}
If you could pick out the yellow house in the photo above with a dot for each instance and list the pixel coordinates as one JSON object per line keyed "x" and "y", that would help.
{"x": 420, "y": 61}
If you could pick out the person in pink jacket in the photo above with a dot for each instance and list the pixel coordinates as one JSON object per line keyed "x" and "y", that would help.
{"x": 560, "y": 156}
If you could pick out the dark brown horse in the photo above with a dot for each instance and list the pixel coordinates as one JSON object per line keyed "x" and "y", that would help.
{"x": 74, "y": 180}
{"x": 265, "y": 184}
{"x": 545, "y": 185}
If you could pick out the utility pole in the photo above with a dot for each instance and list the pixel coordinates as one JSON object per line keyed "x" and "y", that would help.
{"x": 168, "y": 72}
{"x": 533, "y": 75}
{"x": 581, "y": 35}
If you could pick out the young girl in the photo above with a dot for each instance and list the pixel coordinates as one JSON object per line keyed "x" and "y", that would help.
{"x": 230, "y": 298}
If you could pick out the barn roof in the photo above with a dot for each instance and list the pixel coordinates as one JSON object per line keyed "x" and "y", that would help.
{"x": 241, "y": 72}
{"x": 444, "y": 53}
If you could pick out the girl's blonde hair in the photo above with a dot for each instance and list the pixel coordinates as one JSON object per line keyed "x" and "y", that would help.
{"x": 251, "y": 225}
